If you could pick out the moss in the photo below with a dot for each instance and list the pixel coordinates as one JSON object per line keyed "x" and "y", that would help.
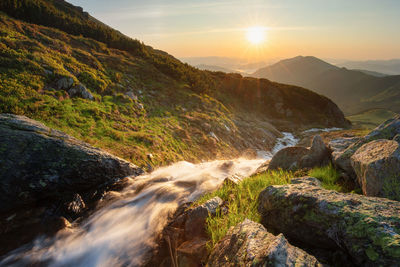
{"x": 391, "y": 187}
{"x": 372, "y": 255}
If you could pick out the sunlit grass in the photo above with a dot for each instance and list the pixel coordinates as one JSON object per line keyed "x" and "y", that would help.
{"x": 328, "y": 176}
{"x": 242, "y": 202}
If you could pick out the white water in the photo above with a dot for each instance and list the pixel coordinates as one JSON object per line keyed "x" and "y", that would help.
{"x": 313, "y": 130}
{"x": 123, "y": 232}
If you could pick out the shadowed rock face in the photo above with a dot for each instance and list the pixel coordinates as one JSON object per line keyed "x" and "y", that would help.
{"x": 39, "y": 163}
{"x": 366, "y": 228}
{"x": 47, "y": 176}
{"x": 250, "y": 244}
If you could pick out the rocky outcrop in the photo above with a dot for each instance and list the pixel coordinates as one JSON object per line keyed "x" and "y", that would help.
{"x": 250, "y": 244}
{"x": 45, "y": 172}
{"x": 292, "y": 158}
{"x": 387, "y": 130}
{"x": 377, "y": 166}
{"x": 366, "y": 228}
{"x": 38, "y": 162}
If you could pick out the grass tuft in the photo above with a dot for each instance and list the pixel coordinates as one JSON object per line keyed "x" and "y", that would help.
{"x": 328, "y": 176}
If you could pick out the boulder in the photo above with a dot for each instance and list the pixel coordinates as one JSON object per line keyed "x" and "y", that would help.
{"x": 377, "y": 167}
{"x": 318, "y": 155}
{"x": 366, "y": 228}
{"x": 196, "y": 219}
{"x": 250, "y": 244}
{"x": 64, "y": 83}
{"x": 387, "y": 130}
{"x": 80, "y": 91}
{"x": 46, "y": 174}
{"x": 288, "y": 158}
{"x": 37, "y": 162}
{"x": 297, "y": 157}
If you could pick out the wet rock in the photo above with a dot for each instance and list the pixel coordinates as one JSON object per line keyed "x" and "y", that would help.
{"x": 80, "y": 91}
{"x": 196, "y": 219}
{"x": 250, "y": 244}
{"x": 297, "y": 157}
{"x": 377, "y": 166}
{"x": 64, "y": 83}
{"x": 387, "y": 130}
{"x": 288, "y": 158}
{"x": 76, "y": 206}
{"x": 41, "y": 169}
{"x": 192, "y": 252}
{"x": 366, "y": 228}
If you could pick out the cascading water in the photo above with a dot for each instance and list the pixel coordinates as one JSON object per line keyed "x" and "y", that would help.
{"x": 123, "y": 232}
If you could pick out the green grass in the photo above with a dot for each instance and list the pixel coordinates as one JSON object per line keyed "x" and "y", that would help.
{"x": 371, "y": 118}
{"x": 242, "y": 201}
{"x": 328, "y": 176}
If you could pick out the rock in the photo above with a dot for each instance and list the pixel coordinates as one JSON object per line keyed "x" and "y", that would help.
{"x": 196, "y": 219}
{"x": 47, "y": 174}
{"x": 387, "y": 130}
{"x": 319, "y": 154}
{"x": 131, "y": 95}
{"x": 288, "y": 158}
{"x": 250, "y": 244}
{"x": 64, "y": 83}
{"x": 297, "y": 157}
{"x": 232, "y": 180}
{"x": 76, "y": 206}
{"x": 80, "y": 91}
{"x": 192, "y": 253}
{"x": 377, "y": 166}
{"x": 37, "y": 162}
{"x": 366, "y": 228}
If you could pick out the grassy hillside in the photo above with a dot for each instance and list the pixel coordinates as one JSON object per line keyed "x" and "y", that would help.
{"x": 145, "y": 101}
{"x": 354, "y": 91}
{"x": 371, "y": 118}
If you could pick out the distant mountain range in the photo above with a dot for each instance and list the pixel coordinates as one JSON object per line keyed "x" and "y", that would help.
{"x": 218, "y": 68}
{"x": 229, "y": 64}
{"x": 353, "y": 90}
{"x": 390, "y": 67}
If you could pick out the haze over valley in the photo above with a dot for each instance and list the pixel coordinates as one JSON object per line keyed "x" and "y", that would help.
{"x": 199, "y": 133}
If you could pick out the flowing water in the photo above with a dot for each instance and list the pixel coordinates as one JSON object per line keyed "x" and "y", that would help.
{"x": 123, "y": 232}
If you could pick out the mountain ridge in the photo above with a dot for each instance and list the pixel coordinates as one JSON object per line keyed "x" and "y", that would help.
{"x": 354, "y": 91}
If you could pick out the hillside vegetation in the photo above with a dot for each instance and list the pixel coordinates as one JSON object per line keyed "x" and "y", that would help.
{"x": 354, "y": 91}
{"x": 144, "y": 100}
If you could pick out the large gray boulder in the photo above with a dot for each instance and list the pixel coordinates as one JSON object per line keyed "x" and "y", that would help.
{"x": 387, "y": 130}
{"x": 37, "y": 162}
{"x": 250, "y": 244}
{"x": 377, "y": 166}
{"x": 366, "y": 228}
{"x": 297, "y": 157}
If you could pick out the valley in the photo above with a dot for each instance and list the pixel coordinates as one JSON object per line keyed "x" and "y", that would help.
{"x": 115, "y": 153}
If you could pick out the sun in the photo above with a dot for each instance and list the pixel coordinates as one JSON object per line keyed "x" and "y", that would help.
{"x": 256, "y": 35}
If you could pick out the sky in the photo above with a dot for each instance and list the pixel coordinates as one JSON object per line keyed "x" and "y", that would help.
{"x": 334, "y": 29}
